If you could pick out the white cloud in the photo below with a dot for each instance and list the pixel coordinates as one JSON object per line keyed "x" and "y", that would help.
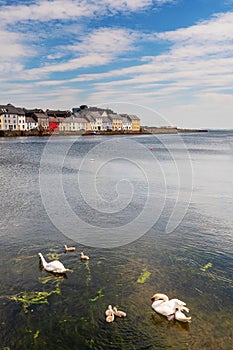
{"x": 218, "y": 29}
{"x": 45, "y": 10}
{"x": 106, "y": 43}
{"x": 110, "y": 41}
{"x": 13, "y": 51}
{"x": 192, "y": 60}
{"x": 98, "y": 48}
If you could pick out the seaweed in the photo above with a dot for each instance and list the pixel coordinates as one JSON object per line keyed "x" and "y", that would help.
{"x": 30, "y": 298}
{"x": 90, "y": 343}
{"x": 207, "y": 266}
{"x": 52, "y": 256}
{"x": 98, "y": 296}
{"x": 33, "y": 298}
{"x": 88, "y": 278}
{"x": 144, "y": 276}
{"x": 36, "y": 334}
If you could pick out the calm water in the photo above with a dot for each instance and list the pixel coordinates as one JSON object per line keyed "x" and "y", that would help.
{"x": 191, "y": 261}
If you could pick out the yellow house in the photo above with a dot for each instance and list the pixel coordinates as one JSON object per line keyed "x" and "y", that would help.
{"x": 116, "y": 121}
{"x": 135, "y": 122}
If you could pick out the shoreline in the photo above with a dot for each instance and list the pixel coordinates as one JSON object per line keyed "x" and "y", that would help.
{"x": 142, "y": 131}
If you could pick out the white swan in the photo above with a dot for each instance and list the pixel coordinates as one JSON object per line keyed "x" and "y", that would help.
{"x": 69, "y": 249}
{"x": 170, "y": 308}
{"x": 118, "y": 312}
{"x": 110, "y": 314}
{"x": 180, "y": 316}
{"x": 110, "y": 318}
{"x": 109, "y": 311}
{"x": 54, "y": 266}
{"x": 83, "y": 257}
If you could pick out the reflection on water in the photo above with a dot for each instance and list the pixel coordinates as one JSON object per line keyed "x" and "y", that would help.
{"x": 193, "y": 263}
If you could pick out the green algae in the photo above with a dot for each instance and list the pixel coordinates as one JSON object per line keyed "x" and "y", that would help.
{"x": 22, "y": 258}
{"x": 45, "y": 280}
{"x": 36, "y": 334}
{"x": 52, "y": 256}
{"x": 98, "y": 296}
{"x": 35, "y": 298}
{"x": 144, "y": 276}
{"x": 31, "y": 298}
{"x": 207, "y": 266}
{"x": 88, "y": 278}
{"x": 90, "y": 343}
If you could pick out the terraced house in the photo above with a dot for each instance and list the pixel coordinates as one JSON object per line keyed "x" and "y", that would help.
{"x": 82, "y": 118}
{"x": 9, "y": 117}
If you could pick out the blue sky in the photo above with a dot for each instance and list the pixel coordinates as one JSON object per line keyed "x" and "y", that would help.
{"x": 169, "y": 61}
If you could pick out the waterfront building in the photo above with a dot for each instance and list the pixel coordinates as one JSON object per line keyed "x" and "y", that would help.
{"x": 84, "y": 119}
{"x": 91, "y": 125}
{"x": 22, "y": 123}
{"x": 135, "y": 122}
{"x": 31, "y": 123}
{"x": 126, "y": 123}
{"x": 106, "y": 124}
{"x": 98, "y": 120}
{"x": 73, "y": 123}
{"x": 116, "y": 121}
{"x": 9, "y": 117}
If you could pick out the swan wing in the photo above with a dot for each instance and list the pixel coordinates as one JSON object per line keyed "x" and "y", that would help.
{"x": 180, "y": 316}
{"x": 55, "y": 266}
{"x": 165, "y": 308}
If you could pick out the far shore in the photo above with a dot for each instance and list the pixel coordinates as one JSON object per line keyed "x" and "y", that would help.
{"x": 142, "y": 131}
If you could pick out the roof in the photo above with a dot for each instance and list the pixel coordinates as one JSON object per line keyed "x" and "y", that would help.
{"x": 72, "y": 119}
{"x": 81, "y": 120}
{"x": 58, "y": 113}
{"x": 10, "y": 109}
{"x": 40, "y": 115}
{"x": 35, "y": 110}
{"x": 20, "y": 110}
{"x": 106, "y": 120}
{"x": 115, "y": 116}
{"x": 126, "y": 120}
{"x": 30, "y": 120}
{"x": 56, "y": 120}
{"x": 95, "y": 114}
{"x": 133, "y": 117}
{"x": 89, "y": 118}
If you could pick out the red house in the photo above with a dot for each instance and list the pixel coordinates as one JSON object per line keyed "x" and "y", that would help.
{"x": 53, "y": 125}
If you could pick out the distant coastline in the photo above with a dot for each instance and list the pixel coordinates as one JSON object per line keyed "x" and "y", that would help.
{"x": 142, "y": 131}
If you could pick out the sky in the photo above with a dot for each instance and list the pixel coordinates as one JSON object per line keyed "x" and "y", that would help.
{"x": 168, "y": 61}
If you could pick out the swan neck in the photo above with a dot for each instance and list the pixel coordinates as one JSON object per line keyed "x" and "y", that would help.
{"x": 42, "y": 259}
{"x": 163, "y": 297}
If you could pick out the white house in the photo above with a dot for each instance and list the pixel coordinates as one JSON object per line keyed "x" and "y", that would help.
{"x": 126, "y": 123}
{"x": 31, "y": 123}
{"x": 9, "y": 117}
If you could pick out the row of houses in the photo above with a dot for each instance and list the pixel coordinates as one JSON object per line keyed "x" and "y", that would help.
{"x": 81, "y": 118}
